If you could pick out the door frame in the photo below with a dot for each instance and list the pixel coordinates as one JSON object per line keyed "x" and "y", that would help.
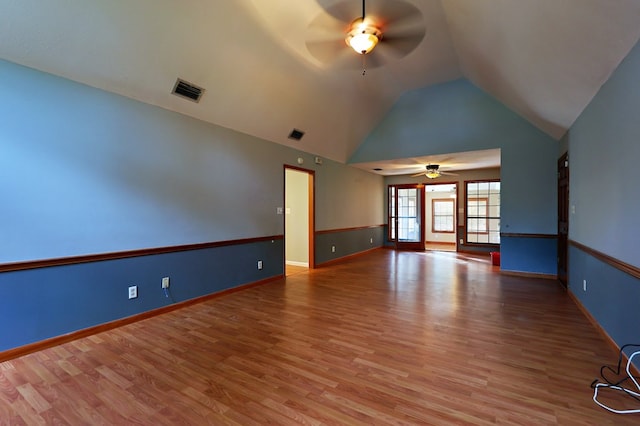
{"x": 311, "y": 200}
{"x": 406, "y": 245}
{"x": 563, "y": 219}
{"x": 456, "y": 222}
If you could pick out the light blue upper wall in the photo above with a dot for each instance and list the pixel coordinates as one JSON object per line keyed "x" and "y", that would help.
{"x": 84, "y": 171}
{"x": 604, "y": 154}
{"x": 458, "y": 117}
{"x": 349, "y": 198}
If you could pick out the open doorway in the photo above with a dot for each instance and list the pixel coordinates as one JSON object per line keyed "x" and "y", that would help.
{"x": 441, "y": 202}
{"x": 298, "y": 219}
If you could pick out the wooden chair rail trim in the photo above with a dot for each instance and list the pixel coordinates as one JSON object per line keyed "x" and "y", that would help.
{"x": 611, "y": 261}
{"x": 58, "y": 340}
{"x": 72, "y": 260}
{"x": 530, "y": 275}
{"x": 346, "y": 258}
{"x": 356, "y": 228}
{"x": 522, "y": 235}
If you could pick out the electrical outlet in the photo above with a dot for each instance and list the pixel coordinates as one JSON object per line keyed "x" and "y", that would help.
{"x": 259, "y": 264}
{"x": 165, "y": 282}
{"x": 333, "y": 249}
{"x": 133, "y": 292}
{"x": 461, "y": 241}
{"x": 584, "y": 285}
{"x": 371, "y": 240}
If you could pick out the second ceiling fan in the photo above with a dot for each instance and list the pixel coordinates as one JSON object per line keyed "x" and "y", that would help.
{"x": 433, "y": 171}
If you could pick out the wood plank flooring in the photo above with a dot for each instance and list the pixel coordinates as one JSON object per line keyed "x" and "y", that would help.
{"x": 293, "y": 269}
{"x": 430, "y": 245}
{"x": 385, "y": 338}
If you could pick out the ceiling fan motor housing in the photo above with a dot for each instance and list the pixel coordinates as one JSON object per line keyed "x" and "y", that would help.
{"x": 363, "y": 36}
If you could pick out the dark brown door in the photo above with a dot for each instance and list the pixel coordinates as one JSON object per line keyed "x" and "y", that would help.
{"x": 563, "y": 219}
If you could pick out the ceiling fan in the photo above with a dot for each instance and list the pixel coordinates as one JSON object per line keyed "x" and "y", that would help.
{"x": 380, "y": 30}
{"x": 433, "y": 171}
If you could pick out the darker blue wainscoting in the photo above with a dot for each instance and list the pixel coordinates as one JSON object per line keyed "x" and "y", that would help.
{"x": 612, "y": 296}
{"x": 347, "y": 242}
{"x": 37, "y": 304}
{"x": 533, "y": 255}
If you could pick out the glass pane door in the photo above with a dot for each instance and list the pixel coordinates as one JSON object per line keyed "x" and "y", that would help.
{"x": 408, "y": 215}
{"x": 406, "y": 207}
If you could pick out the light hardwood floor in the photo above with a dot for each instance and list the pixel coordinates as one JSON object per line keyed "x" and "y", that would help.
{"x": 440, "y": 246}
{"x": 293, "y": 269}
{"x": 385, "y": 338}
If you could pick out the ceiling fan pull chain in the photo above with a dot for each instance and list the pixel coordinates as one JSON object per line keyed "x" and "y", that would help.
{"x": 364, "y": 64}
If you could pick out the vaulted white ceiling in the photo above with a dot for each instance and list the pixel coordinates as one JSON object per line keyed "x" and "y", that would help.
{"x": 544, "y": 59}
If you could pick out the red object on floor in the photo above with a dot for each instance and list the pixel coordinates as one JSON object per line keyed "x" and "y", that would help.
{"x": 495, "y": 258}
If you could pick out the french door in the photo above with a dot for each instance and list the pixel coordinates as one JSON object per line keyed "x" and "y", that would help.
{"x": 406, "y": 216}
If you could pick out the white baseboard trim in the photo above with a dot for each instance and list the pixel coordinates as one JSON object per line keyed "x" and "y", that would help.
{"x": 294, "y": 263}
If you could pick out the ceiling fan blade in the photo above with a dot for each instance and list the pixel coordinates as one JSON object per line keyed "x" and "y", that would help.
{"x": 402, "y": 27}
{"x": 345, "y": 11}
{"x": 335, "y": 54}
{"x": 400, "y": 14}
{"x": 326, "y": 26}
{"x": 398, "y": 47}
{"x": 326, "y": 51}
{"x": 325, "y": 38}
{"x": 418, "y": 174}
{"x": 448, "y": 173}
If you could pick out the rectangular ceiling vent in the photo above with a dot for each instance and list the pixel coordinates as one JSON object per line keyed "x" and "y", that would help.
{"x": 296, "y": 134}
{"x": 187, "y": 90}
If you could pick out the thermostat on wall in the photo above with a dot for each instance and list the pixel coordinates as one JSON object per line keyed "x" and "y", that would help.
{"x": 318, "y": 160}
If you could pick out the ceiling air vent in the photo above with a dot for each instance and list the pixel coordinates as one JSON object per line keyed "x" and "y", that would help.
{"x": 187, "y": 90}
{"x": 296, "y": 134}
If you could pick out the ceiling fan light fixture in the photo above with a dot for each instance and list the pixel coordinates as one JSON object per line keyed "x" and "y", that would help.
{"x": 433, "y": 171}
{"x": 363, "y": 37}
